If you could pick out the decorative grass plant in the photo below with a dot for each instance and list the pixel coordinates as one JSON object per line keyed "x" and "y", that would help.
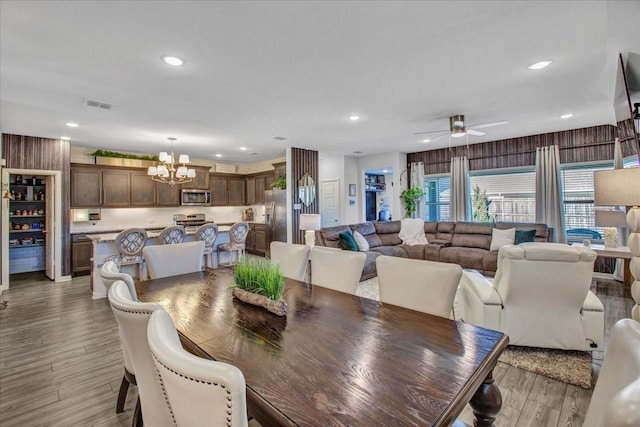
{"x": 259, "y": 282}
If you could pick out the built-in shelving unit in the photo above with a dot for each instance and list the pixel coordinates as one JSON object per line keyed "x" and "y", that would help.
{"x": 27, "y": 220}
{"x": 374, "y": 183}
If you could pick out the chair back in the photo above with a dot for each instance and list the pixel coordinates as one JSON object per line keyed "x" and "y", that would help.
{"x": 207, "y": 233}
{"x": 110, "y": 273}
{"x": 615, "y": 401}
{"x": 200, "y": 392}
{"x": 133, "y": 317}
{"x": 425, "y": 286}
{"x": 129, "y": 243}
{"x": 172, "y": 260}
{"x": 336, "y": 269}
{"x": 237, "y": 235}
{"x": 172, "y": 235}
{"x": 543, "y": 287}
{"x": 293, "y": 259}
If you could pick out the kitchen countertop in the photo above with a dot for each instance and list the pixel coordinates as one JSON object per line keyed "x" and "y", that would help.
{"x": 110, "y": 237}
{"x": 149, "y": 229}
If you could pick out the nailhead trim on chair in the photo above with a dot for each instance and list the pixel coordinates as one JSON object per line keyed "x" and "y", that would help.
{"x": 198, "y": 381}
{"x": 164, "y": 390}
{"x": 132, "y": 311}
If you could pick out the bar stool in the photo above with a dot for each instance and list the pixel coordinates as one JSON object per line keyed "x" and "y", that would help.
{"x": 237, "y": 236}
{"x": 129, "y": 244}
{"x": 208, "y": 233}
{"x": 172, "y": 235}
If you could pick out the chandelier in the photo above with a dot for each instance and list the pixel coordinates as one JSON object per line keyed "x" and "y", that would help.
{"x": 168, "y": 171}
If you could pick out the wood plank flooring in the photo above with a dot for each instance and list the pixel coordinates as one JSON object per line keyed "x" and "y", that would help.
{"x": 61, "y": 363}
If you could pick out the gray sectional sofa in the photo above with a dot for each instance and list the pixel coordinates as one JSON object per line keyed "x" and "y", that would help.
{"x": 464, "y": 243}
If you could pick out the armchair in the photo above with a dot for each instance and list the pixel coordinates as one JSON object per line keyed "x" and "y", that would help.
{"x": 539, "y": 296}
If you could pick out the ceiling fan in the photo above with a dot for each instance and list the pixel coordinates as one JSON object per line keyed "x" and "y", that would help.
{"x": 458, "y": 128}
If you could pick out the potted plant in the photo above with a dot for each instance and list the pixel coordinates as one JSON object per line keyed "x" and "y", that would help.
{"x": 259, "y": 282}
{"x": 281, "y": 183}
{"x": 410, "y": 197}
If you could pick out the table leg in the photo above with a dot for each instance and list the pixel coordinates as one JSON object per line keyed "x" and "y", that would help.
{"x": 486, "y": 403}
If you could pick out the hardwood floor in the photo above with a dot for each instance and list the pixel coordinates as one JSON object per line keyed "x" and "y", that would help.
{"x": 61, "y": 363}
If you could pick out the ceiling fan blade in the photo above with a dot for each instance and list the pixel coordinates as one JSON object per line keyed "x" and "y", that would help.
{"x": 488, "y": 125}
{"x": 437, "y": 137}
{"x": 475, "y": 132}
{"x": 431, "y": 131}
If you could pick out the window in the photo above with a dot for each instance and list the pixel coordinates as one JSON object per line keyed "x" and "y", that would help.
{"x": 503, "y": 196}
{"x": 437, "y": 198}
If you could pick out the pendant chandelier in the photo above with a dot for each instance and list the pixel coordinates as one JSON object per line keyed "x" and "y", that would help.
{"x": 168, "y": 171}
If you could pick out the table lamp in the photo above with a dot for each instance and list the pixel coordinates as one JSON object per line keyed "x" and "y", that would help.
{"x": 309, "y": 223}
{"x": 621, "y": 187}
{"x": 611, "y": 220}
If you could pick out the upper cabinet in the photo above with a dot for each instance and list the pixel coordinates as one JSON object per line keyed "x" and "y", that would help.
{"x": 86, "y": 187}
{"x": 116, "y": 188}
{"x": 143, "y": 189}
{"x": 201, "y": 181}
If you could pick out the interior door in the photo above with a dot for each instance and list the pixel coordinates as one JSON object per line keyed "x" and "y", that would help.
{"x": 330, "y": 202}
{"x": 49, "y": 227}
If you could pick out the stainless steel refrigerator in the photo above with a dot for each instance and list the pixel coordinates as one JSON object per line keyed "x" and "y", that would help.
{"x": 275, "y": 217}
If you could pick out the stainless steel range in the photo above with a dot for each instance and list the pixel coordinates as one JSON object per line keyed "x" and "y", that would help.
{"x": 191, "y": 222}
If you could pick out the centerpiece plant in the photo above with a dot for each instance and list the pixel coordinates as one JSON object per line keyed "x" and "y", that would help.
{"x": 409, "y": 197}
{"x": 259, "y": 282}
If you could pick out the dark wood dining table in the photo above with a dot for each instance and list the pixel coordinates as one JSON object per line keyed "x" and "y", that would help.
{"x": 336, "y": 359}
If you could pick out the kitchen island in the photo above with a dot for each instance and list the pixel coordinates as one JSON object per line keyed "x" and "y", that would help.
{"x": 104, "y": 247}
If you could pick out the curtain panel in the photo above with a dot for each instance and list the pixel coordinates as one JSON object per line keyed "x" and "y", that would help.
{"x": 549, "y": 207}
{"x": 416, "y": 170}
{"x": 460, "y": 190}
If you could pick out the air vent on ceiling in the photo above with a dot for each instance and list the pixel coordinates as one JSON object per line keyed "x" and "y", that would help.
{"x": 98, "y": 104}
{"x": 279, "y": 138}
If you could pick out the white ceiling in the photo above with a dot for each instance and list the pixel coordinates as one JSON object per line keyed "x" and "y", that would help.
{"x": 256, "y": 70}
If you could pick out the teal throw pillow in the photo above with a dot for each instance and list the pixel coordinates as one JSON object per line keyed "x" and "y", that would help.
{"x": 524, "y": 236}
{"x": 348, "y": 242}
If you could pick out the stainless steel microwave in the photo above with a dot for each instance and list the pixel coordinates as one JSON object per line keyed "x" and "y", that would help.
{"x": 192, "y": 197}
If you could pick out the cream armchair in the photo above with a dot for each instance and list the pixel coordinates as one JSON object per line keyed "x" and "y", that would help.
{"x": 539, "y": 296}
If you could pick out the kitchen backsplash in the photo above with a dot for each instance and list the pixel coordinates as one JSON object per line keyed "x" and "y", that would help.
{"x": 118, "y": 219}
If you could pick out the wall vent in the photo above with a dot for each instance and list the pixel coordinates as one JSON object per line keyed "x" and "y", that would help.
{"x": 279, "y": 138}
{"x": 98, "y": 104}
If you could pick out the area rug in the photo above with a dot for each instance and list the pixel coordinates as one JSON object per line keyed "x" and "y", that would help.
{"x": 571, "y": 367}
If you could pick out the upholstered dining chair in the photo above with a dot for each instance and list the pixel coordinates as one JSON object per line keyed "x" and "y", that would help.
{"x": 336, "y": 269}
{"x": 172, "y": 260}
{"x": 129, "y": 244}
{"x": 200, "y": 392}
{"x": 539, "y": 296}
{"x": 425, "y": 286}
{"x": 237, "y": 237}
{"x": 110, "y": 273}
{"x": 172, "y": 235}
{"x": 293, "y": 259}
{"x": 133, "y": 317}
{"x": 208, "y": 233}
{"x": 615, "y": 401}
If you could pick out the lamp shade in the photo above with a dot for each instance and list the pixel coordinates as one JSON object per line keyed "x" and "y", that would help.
{"x": 610, "y": 218}
{"x": 310, "y": 222}
{"x": 617, "y": 187}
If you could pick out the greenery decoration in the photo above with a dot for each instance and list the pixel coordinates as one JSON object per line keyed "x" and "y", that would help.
{"x": 480, "y": 206}
{"x": 409, "y": 197}
{"x": 280, "y": 184}
{"x": 259, "y": 276}
{"x": 107, "y": 153}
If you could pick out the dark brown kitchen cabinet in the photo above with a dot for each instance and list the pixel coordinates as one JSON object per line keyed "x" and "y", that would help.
{"x": 250, "y": 241}
{"x": 143, "y": 189}
{"x": 256, "y": 184}
{"x": 81, "y": 254}
{"x": 260, "y": 239}
{"x": 236, "y": 191}
{"x": 167, "y": 195}
{"x": 251, "y": 190}
{"x": 201, "y": 181}
{"x": 86, "y": 187}
{"x": 219, "y": 193}
{"x": 116, "y": 188}
{"x": 261, "y": 185}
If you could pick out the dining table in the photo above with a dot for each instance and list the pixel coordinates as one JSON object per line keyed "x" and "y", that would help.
{"x": 336, "y": 359}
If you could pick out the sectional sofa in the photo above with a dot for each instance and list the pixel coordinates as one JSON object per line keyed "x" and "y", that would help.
{"x": 464, "y": 243}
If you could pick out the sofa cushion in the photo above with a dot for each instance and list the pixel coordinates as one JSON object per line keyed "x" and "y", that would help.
{"x": 430, "y": 230}
{"x": 386, "y": 227}
{"x": 542, "y": 230}
{"x": 348, "y": 242}
{"x": 490, "y": 263}
{"x": 474, "y": 228}
{"x": 432, "y": 252}
{"x": 500, "y": 238}
{"x": 369, "y": 269}
{"x": 445, "y": 231}
{"x": 464, "y": 257}
{"x": 414, "y": 252}
{"x": 364, "y": 228}
{"x": 330, "y": 237}
{"x": 524, "y": 236}
{"x": 363, "y": 245}
{"x": 391, "y": 251}
{"x": 481, "y": 241}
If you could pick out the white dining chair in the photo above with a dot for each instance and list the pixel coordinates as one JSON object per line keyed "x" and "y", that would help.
{"x": 110, "y": 272}
{"x": 237, "y": 237}
{"x": 336, "y": 269}
{"x": 208, "y": 233}
{"x": 420, "y": 285}
{"x": 293, "y": 259}
{"x": 129, "y": 244}
{"x": 172, "y": 235}
{"x": 199, "y": 392}
{"x": 172, "y": 260}
{"x": 132, "y": 317}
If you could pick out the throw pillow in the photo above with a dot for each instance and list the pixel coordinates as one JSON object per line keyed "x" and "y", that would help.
{"x": 363, "y": 245}
{"x": 524, "y": 236}
{"x": 347, "y": 242}
{"x": 500, "y": 238}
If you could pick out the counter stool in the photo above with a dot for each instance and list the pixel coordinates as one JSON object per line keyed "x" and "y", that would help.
{"x": 237, "y": 236}
{"x": 129, "y": 244}
{"x": 208, "y": 233}
{"x": 172, "y": 235}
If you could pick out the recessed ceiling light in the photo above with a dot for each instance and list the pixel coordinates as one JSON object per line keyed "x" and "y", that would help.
{"x": 539, "y": 65}
{"x": 65, "y": 138}
{"x": 243, "y": 148}
{"x": 566, "y": 116}
{"x": 173, "y": 60}
{"x": 72, "y": 125}
{"x": 426, "y": 140}
{"x": 218, "y": 155}
{"x": 354, "y": 118}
